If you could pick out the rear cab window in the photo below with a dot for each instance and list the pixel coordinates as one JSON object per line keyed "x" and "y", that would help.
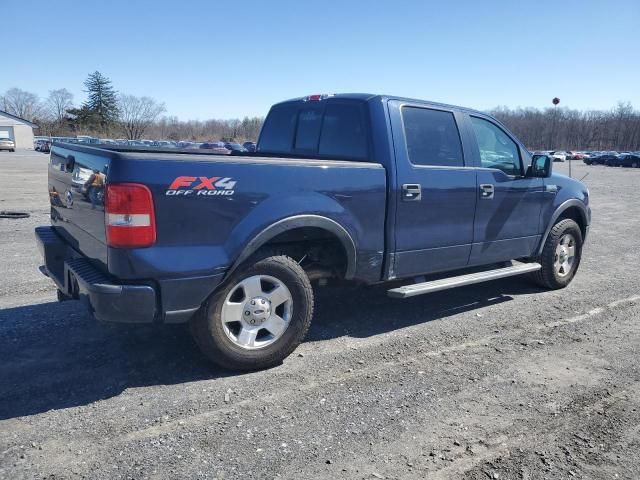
{"x": 432, "y": 137}
{"x": 335, "y": 129}
{"x": 308, "y": 130}
{"x": 278, "y": 130}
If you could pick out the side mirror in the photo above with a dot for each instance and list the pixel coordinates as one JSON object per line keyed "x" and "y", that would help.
{"x": 540, "y": 167}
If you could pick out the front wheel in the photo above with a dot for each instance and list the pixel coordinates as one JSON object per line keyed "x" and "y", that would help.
{"x": 258, "y": 317}
{"x": 560, "y": 256}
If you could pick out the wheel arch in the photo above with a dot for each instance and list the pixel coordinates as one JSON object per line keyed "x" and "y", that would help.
{"x": 299, "y": 222}
{"x": 573, "y": 209}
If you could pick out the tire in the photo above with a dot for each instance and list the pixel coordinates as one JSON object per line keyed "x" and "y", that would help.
{"x": 549, "y": 276}
{"x": 224, "y": 342}
{"x": 635, "y": 165}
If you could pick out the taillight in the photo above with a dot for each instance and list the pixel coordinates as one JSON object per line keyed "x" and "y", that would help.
{"x": 129, "y": 216}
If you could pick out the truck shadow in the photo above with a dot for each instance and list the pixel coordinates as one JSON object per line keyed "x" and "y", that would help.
{"x": 54, "y": 356}
{"x": 362, "y": 312}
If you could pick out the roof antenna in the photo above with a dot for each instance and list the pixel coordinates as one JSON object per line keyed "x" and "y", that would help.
{"x": 585, "y": 176}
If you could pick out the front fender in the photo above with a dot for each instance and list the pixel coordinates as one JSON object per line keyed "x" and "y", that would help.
{"x": 585, "y": 213}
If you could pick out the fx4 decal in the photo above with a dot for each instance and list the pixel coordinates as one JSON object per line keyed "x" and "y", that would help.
{"x": 202, "y": 186}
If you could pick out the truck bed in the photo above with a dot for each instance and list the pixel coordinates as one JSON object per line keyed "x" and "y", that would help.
{"x": 202, "y": 227}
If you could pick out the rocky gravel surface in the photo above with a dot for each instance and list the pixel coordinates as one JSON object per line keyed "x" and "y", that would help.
{"x": 496, "y": 381}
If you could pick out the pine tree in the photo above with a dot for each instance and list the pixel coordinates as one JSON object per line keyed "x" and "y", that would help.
{"x": 102, "y": 100}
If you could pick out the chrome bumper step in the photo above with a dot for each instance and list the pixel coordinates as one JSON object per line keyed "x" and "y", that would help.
{"x": 462, "y": 280}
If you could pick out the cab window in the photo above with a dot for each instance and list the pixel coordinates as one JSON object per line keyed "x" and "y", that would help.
{"x": 432, "y": 137}
{"x": 497, "y": 149}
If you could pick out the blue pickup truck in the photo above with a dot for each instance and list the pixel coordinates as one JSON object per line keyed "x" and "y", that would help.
{"x": 366, "y": 188}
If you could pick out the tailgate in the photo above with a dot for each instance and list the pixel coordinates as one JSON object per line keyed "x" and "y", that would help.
{"x": 77, "y": 178}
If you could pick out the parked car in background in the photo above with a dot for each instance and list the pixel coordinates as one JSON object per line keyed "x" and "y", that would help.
{"x": 37, "y": 144}
{"x": 615, "y": 160}
{"x": 601, "y": 158}
{"x": 558, "y": 155}
{"x": 7, "y": 144}
{"x": 217, "y": 147}
{"x": 86, "y": 139}
{"x": 45, "y": 146}
{"x": 249, "y": 146}
{"x": 164, "y": 144}
{"x": 629, "y": 160}
{"x": 235, "y": 147}
{"x": 575, "y": 155}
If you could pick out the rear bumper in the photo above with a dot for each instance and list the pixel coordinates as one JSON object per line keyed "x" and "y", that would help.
{"x": 76, "y": 277}
{"x": 170, "y": 301}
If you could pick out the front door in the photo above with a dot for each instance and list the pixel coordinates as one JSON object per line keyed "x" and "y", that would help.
{"x": 507, "y": 222}
{"x": 435, "y": 188}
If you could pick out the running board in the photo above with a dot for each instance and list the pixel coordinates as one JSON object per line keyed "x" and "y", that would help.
{"x": 462, "y": 280}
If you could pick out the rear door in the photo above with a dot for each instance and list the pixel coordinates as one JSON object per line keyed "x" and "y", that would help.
{"x": 507, "y": 221}
{"x": 435, "y": 189}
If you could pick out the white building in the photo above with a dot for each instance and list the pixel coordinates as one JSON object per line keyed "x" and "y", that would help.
{"x": 17, "y": 129}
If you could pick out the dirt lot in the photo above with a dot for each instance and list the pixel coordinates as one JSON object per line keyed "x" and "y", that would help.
{"x": 500, "y": 380}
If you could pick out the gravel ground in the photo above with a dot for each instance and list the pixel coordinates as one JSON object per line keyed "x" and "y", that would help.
{"x": 500, "y": 380}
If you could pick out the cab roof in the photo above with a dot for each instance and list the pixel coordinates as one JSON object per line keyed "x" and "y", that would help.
{"x": 369, "y": 98}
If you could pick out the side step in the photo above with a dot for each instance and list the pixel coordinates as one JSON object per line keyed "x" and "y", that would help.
{"x": 462, "y": 280}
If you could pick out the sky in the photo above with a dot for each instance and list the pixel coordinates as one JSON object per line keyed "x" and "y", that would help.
{"x": 214, "y": 59}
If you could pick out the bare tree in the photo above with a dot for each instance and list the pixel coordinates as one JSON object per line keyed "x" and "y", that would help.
{"x": 22, "y": 104}
{"x": 58, "y": 102}
{"x": 137, "y": 114}
{"x": 617, "y": 129}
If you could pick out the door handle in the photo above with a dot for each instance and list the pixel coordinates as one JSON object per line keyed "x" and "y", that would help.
{"x": 411, "y": 192}
{"x": 486, "y": 191}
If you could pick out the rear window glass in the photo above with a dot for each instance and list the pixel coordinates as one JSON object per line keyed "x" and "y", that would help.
{"x": 327, "y": 129}
{"x": 343, "y": 131}
{"x": 277, "y": 133}
{"x": 432, "y": 137}
{"x": 308, "y": 131}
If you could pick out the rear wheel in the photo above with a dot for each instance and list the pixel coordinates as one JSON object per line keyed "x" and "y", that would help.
{"x": 560, "y": 256}
{"x": 258, "y": 317}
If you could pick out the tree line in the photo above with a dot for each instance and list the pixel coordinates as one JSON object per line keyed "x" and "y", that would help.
{"x": 566, "y": 129}
{"x": 107, "y": 113}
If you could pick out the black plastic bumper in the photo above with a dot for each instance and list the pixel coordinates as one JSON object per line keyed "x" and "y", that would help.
{"x": 76, "y": 277}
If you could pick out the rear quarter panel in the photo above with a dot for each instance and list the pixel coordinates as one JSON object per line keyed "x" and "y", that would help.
{"x": 203, "y": 234}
